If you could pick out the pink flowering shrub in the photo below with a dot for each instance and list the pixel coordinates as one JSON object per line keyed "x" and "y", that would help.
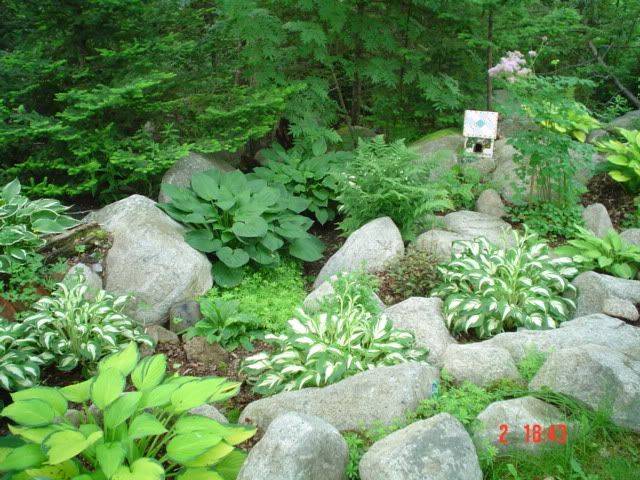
{"x": 511, "y": 66}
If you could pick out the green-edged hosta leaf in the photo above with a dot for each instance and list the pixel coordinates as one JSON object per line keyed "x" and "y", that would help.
{"x": 233, "y": 258}
{"x": 110, "y": 456}
{"x": 106, "y": 387}
{"x": 149, "y": 373}
{"x": 200, "y": 474}
{"x": 141, "y": 469}
{"x": 189, "y": 446}
{"x": 11, "y": 190}
{"x": 32, "y": 412}
{"x": 49, "y": 395}
{"x": 211, "y": 456}
{"x": 66, "y": 444}
{"x": 145, "y": 425}
{"x": 124, "y": 361}
{"x": 23, "y": 457}
{"x": 230, "y": 466}
{"x": 78, "y": 392}
{"x": 63, "y": 471}
{"x": 121, "y": 409}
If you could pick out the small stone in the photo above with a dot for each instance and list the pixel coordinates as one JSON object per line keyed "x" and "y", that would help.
{"x": 200, "y": 351}
{"x": 209, "y": 411}
{"x": 490, "y": 203}
{"x": 596, "y": 218}
{"x": 479, "y": 364}
{"x": 161, "y": 335}
{"x": 438, "y": 448}
{"x": 474, "y": 224}
{"x": 183, "y": 315}
{"x": 297, "y": 447}
{"x": 620, "y": 308}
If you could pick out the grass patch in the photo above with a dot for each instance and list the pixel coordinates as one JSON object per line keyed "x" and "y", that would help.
{"x": 596, "y": 450}
{"x": 272, "y": 294}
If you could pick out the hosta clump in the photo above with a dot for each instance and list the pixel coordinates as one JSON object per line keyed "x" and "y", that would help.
{"x": 76, "y": 330}
{"x": 310, "y": 178}
{"x": 488, "y": 290}
{"x": 137, "y": 430}
{"x": 624, "y": 158}
{"x": 609, "y": 254}
{"x": 20, "y": 356}
{"x": 23, "y": 222}
{"x": 328, "y": 346}
{"x": 239, "y": 220}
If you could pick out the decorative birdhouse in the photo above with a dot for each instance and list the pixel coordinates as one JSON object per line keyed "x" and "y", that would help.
{"x": 480, "y": 132}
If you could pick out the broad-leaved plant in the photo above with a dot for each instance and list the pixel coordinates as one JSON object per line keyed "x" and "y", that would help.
{"x": 488, "y": 290}
{"x": 624, "y": 158}
{"x": 20, "y": 356}
{"x": 238, "y": 220}
{"x": 139, "y": 429}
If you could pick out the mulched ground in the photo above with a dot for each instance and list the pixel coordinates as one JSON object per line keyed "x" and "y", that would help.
{"x": 603, "y": 189}
{"x": 330, "y": 236}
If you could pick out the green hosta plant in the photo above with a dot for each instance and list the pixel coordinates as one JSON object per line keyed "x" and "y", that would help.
{"x": 20, "y": 356}
{"x": 23, "y": 223}
{"x": 223, "y": 323}
{"x": 610, "y": 254}
{"x": 76, "y": 330}
{"x": 624, "y": 158}
{"x": 239, "y": 220}
{"x": 323, "y": 348}
{"x": 136, "y": 430}
{"x": 309, "y": 178}
{"x": 488, "y": 290}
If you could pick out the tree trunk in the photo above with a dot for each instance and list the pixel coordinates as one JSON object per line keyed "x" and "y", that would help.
{"x": 489, "y": 58}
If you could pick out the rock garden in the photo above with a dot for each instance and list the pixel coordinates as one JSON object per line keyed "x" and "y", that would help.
{"x": 321, "y": 301}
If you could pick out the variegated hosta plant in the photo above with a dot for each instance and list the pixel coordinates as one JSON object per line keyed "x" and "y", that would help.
{"x": 24, "y": 222}
{"x": 20, "y": 356}
{"x": 137, "y": 430}
{"x": 326, "y": 347}
{"x": 488, "y": 290}
{"x": 77, "y": 330}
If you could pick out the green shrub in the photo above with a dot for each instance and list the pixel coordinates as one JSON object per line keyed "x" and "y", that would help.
{"x": 241, "y": 220}
{"x": 388, "y": 180}
{"x": 357, "y": 286}
{"x": 328, "y": 346}
{"x": 223, "y": 324}
{"x": 414, "y": 274}
{"x": 464, "y": 185}
{"x": 624, "y": 158}
{"x": 141, "y": 430}
{"x": 23, "y": 223}
{"x": 548, "y": 220}
{"x": 77, "y": 331}
{"x": 309, "y": 178}
{"x": 610, "y": 254}
{"x": 488, "y": 290}
{"x": 271, "y": 294}
{"x": 20, "y": 356}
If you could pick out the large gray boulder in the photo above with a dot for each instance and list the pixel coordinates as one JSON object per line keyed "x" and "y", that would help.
{"x": 601, "y": 377}
{"x": 438, "y": 448}
{"x": 423, "y": 317}
{"x": 479, "y": 364}
{"x": 490, "y": 203}
{"x": 632, "y": 236}
{"x": 505, "y": 176}
{"x": 441, "y": 243}
{"x": 150, "y": 259}
{"x": 475, "y": 224}
{"x": 599, "y": 293}
{"x": 596, "y": 218}
{"x": 596, "y": 329}
{"x": 446, "y": 140}
{"x": 515, "y": 414}
{"x": 370, "y": 247}
{"x": 181, "y": 171}
{"x": 628, "y": 121}
{"x": 297, "y": 447}
{"x": 377, "y": 396}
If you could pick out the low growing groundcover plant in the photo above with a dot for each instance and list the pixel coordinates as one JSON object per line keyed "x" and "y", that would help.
{"x": 136, "y": 430}
{"x": 487, "y": 290}
{"x": 241, "y": 220}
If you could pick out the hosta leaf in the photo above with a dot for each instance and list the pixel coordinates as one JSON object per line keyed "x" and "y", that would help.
{"x": 31, "y": 412}
{"x": 141, "y": 469}
{"x": 307, "y": 248}
{"x": 149, "y": 373}
{"x": 123, "y": 361}
{"x": 66, "y": 444}
{"x": 225, "y": 276}
{"x": 233, "y": 258}
{"x": 22, "y": 458}
{"x": 202, "y": 240}
{"x": 106, "y": 387}
{"x": 110, "y": 456}
{"x": 145, "y": 425}
{"x": 121, "y": 409}
{"x": 250, "y": 227}
{"x": 50, "y": 396}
